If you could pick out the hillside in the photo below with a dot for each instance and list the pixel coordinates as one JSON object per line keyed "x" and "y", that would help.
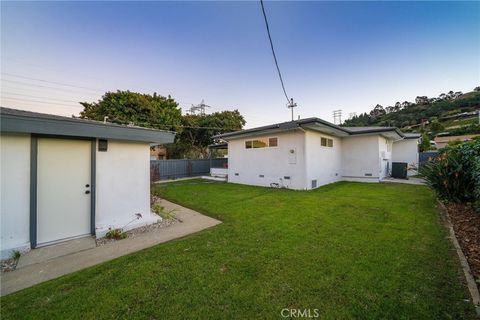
{"x": 455, "y": 114}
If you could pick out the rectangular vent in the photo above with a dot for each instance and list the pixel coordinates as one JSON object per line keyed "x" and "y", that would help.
{"x": 314, "y": 184}
{"x": 261, "y": 175}
{"x": 286, "y": 177}
{"x": 236, "y": 174}
{"x": 368, "y": 174}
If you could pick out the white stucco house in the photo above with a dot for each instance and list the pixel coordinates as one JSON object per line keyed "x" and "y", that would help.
{"x": 63, "y": 178}
{"x": 308, "y": 153}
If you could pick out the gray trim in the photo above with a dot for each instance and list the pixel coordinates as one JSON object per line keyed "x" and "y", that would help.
{"x": 33, "y": 190}
{"x": 93, "y": 185}
{"x": 17, "y": 121}
{"x": 34, "y": 175}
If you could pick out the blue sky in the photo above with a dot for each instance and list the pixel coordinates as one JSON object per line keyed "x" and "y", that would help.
{"x": 333, "y": 55}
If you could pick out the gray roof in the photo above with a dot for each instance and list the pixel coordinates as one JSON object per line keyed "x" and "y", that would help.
{"x": 312, "y": 123}
{"x": 412, "y": 135}
{"x": 19, "y": 121}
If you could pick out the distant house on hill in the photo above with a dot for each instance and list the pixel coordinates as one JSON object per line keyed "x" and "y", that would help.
{"x": 441, "y": 142}
{"x": 421, "y": 100}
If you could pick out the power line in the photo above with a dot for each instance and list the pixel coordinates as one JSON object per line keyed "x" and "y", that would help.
{"x": 53, "y": 82}
{"x": 44, "y": 102}
{"x": 38, "y": 97}
{"x": 273, "y": 51}
{"x": 38, "y": 85}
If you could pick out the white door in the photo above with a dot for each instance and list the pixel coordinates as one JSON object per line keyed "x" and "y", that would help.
{"x": 63, "y": 189}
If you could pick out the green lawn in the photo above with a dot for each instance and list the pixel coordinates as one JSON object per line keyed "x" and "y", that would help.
{"x": 350, "y": 250}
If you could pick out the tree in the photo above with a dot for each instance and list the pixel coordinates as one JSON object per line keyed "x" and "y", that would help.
{"x": 425, "y": 144}
{"x": 436, "y": 126}
{"x": 377, "y": 111}
{"x": 477, "y": 89}
{"x": 198, "y": 132}
{"x": 124, "y": 107}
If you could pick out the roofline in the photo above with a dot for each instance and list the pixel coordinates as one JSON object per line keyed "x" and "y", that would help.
{"x": 40, "y": 123}
{"x": 306, "y": 121}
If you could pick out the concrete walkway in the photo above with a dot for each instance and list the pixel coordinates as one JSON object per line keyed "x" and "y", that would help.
{"x": 51, "y": 268}
{"x": 410, "y": 180}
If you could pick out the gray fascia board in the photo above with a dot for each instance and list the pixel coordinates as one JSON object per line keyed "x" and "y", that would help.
{"x": 19, "y": 124}
{"x": 259, "y": 133}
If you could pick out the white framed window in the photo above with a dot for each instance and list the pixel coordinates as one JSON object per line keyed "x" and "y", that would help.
{"x": 326, "y": 142}
{"x": 270, "y": 142}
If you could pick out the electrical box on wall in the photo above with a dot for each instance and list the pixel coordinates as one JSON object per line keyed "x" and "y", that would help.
{"x": 102, "y": 145}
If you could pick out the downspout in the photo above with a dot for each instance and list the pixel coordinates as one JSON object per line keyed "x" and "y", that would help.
{"x": 305, "y": 176}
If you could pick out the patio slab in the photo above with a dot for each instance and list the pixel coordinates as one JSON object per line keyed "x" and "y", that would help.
{"x": 410, "y": 180}
{"x": 54, "y": 251}
{"x": 34, "y": 273}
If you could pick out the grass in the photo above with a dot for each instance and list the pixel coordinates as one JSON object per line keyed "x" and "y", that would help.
{"x": 350, "y": 250}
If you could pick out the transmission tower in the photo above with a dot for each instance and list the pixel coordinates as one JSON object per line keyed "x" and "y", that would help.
{"x": 198, "y": 109}
{"x": 337, "y": 116}
{"x": 352, "y": 115}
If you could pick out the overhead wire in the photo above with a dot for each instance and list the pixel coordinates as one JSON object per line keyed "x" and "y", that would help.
{"x": 273, "y": 51}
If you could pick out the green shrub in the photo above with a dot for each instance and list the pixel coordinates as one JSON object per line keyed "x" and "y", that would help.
{"x": 15, "y": 254}
{"x": 160, "y": 210}
{"x": 455, "y": 174}
{"x": 116, "y": 234}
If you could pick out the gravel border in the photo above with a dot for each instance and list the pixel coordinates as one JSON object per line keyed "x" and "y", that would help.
{"x": 137, "y": 231}
{"x": 8, "y": 265}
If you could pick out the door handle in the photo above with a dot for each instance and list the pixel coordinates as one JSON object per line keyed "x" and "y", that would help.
{"x": 87, "y": 192}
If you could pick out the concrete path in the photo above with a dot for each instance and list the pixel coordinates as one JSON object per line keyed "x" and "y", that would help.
{"x": 410, "y": 180}
{"x": 32, "y": 274}
{"x": 57, "y": 250}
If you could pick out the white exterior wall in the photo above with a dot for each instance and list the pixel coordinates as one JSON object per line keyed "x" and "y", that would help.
{"x": 15, "y": 193}
{"x": 123, "y": 186}
{"x": 360, "y": 157}
{"x": 406, "y": 151}
{"x": 323, "y": 164}
{"x": 274, "y": 163}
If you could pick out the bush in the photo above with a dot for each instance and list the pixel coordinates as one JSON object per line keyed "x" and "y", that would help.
{"x": 116, "y": 234}
{"x": 455, "y": 174}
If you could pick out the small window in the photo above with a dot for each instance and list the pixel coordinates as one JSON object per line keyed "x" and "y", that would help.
{"x": 273, "y": 142}
{"x": 323, "y": 142}
{"x": 261, "y": 143}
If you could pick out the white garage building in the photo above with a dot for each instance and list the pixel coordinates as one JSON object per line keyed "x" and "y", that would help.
{"x": 308, "y": 153}
{"x": 63, "y": 178}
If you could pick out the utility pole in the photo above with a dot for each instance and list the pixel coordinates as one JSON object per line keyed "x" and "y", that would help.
{"x": 337, "y": 116}
{"x": 291, "y": 105}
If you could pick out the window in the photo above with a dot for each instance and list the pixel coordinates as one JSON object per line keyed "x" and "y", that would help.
{"x": 273, "y": 142}
{"x": 325, "y": 142}
{"x": 261, "y": 143}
